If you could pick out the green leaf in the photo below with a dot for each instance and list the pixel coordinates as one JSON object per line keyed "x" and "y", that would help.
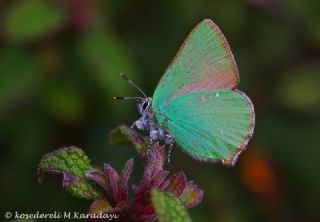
{"x": 74, "y": 165}
{"x": 31, "y": 19}
{"x": 168, "y": 207}
{"x": 126, "y": 135}
{"x": 64, "y": 103}
{"x": 20, "y": 75}
{"x": 299, "y": 91}
{"x": 105, "y": 54}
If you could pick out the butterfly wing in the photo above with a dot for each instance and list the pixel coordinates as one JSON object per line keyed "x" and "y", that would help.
{"x": 211, "y": 125}
{"x": 196, "y": 102}
{"x": 203, "y": 62}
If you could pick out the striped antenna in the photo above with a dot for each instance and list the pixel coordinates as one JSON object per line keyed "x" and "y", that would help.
{"x": 126, "y": 97}
{"x": 133, "y": 84}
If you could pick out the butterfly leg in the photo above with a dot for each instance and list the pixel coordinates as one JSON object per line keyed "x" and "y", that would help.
{"x": 142, "y": 123}
{"x": 170, "y": 141}
{"x": 169, "y": 153}
{"x": 153, "y": 136}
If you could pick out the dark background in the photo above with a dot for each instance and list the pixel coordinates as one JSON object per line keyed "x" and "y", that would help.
{"x": 59, "y": 68}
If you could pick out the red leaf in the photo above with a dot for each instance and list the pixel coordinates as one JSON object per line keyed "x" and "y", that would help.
{"x": 155, "y": 162}
{"x": 124, "y": 180}
{"x": 100, "y": 205}
{"x": 99, "y": 178}
{"x": 191, "y": 195}
{"x": 159, "y": 178}
{"x": 176, "y": 184}
{"x": 114, "y": 179}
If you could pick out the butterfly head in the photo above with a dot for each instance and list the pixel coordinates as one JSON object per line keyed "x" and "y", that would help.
{"x": 144, "y": 105}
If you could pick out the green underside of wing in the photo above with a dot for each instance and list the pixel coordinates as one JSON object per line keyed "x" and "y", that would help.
{"x": 204, "y": 60}
{"x": 209, "y": 125}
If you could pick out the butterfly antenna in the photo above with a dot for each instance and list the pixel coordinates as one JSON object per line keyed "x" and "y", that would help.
{"x": 127, "y": 97}
{"x": 133, "y": 84}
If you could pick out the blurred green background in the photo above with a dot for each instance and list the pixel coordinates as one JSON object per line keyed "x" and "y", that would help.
{"x": 59, "y": 68}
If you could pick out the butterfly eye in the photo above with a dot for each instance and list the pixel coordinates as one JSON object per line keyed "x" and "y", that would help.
{"x": 144, "y": 105}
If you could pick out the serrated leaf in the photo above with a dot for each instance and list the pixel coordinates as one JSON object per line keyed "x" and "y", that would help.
{"x": 126, "y": 135}
{"x": 168, "y": 207}
{"x": 80, "y": 187}
{"x": 31, "y": 19}
{"x": 73, "y": 164}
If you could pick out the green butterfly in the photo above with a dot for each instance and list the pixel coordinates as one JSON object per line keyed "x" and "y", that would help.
{"x": 196, "y": 103}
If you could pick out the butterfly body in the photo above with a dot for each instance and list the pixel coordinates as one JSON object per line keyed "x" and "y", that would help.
{"x": 196, "y": 103}
{"x": 148, "y": 122}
